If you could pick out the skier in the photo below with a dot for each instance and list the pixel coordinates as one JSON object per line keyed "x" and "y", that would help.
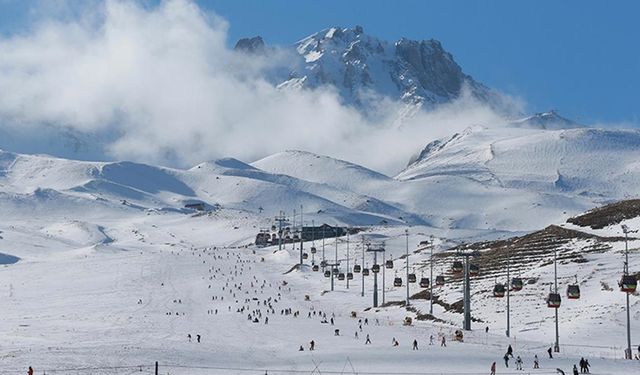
{"x": 189, "y": 337}
{"x": 394, "y": 342}
{"x": 550, "y": 355}
{"x": 368, "y": 341}
{"x": 586, "y": 366}
{"x": 198, "y": 338}
{"x": 535, "y": 362}
{"x": 366, "y": 321}
{"x": 493, "y": 368}
{"x": 431, "y": 340}
{"x": 301, "y": 349}
{"x": 518, "y": 363}
{"x": 575, "y": 370}
{"x": 506, "y": 360}
{"x": 510, "y": 351}
{"x": 415, "y": 344}
{"x": 486, "y": 329}
{"x": 312, "y": 345}
{"x": 582, "y": 365}
{"x": 30, "y": 371}
{"x": 444, "y": 341}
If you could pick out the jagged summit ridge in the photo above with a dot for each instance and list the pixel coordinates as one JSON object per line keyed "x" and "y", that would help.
{"x": 358, "y": 65}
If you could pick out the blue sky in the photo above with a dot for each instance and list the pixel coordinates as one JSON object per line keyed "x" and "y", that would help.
{"x": 579, "y": 57}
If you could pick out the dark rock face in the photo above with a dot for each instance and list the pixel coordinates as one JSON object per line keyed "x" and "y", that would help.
{"x": 432, "y": 66}
{"x": 250, "y": 45}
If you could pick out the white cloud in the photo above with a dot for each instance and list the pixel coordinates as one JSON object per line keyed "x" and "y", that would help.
{"x": 162, "y": 83}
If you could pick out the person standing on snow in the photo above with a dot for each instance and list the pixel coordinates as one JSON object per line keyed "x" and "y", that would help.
{"x": 368, "y": 341}
{"x": 415, "y": 344}
{"x": 535, "y": 362}
{"x": 518, "y": 363}
{"x": 30, "y": 371}
{"x": 510, "y": 351}
{"x": 493, "y": 368}
{"x": 550, "y": 355}
{"x": 506, "y": 360}
{"x": 575, "y": 370}
{"x": 444, "y": 341}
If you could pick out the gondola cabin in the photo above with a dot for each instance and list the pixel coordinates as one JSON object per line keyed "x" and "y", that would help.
{"x": 365, "y": 272}
{"x": 327, "y": 273}
{"x": 628, "y": 284}
{"x": 341, "y": 276}
{"x": 424, "y": 282}
{"x": 440, "y": 280}
{"x": 313, "y": 250}
{"x": 554, "y": 300}
{"x": 315, "y": 268}
{"x": 516, "y": 284}
{"x": 412, "y": 278}
{"x": 499, "y": 290}
{"x": 305, "y": 256}
{"x": 375, "y": 268}
{"x": 349, "y": 276}
{"x": 388, "y": 264}
{"x": 397, "y": 282}
{"x": 573, "y": 291}
{"x": 357, "y": 268}
{"x": 456, "y": 267}
{"x": 474, "y": 270}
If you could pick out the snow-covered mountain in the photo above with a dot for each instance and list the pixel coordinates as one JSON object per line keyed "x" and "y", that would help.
{"x": 364, "y": 69}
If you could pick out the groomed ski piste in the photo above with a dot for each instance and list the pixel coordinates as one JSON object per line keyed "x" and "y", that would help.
{"x": 103, "y": 275}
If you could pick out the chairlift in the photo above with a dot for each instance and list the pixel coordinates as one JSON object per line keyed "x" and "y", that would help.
{"x": 439, "y": 280}
{"x": 357, "y": 268}
{"x": 628, "y": 283}
{"x": 397, "y": 282}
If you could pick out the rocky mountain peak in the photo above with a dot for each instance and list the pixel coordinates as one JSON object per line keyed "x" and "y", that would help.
{"x": 250, "y": 45}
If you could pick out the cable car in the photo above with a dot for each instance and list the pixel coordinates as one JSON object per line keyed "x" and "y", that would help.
{"x": 315, "y": 268}
{"x": 388, "y": 264}
{"x": 357, "y": 268}
{"x": 554, "y": 300}
{"x": 313, "y": 250}
{"x": 440, "y": 280}
{"x": 424, "y": 282}
{"x": 375, "y": 268}
{"x": 365, "y": 272}
{"x": 327, "y": 273}
{"x": 349, "y": 276}
{"x": 457, "y": 267}
{"x": 628, "y": 283}
{"x": 474, "y": 269}
{"x": 573, "y": 291}
{"x": 516, "y": 284}
{"x": 499, "y": 290}
{"x": 305, "y": 256}
{"x": 335, "y": 271}
{"x": 412, "y": 278}
{"x": 397, "y": 281}
{"x": 341, "y": 276}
